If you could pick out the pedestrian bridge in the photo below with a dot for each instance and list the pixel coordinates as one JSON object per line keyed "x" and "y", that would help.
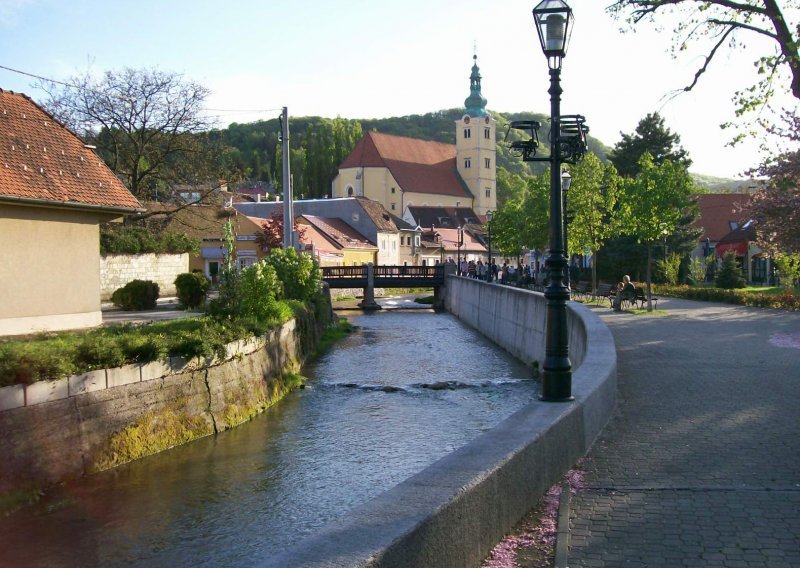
{"x": 370, "y": 277}
{"x": 384, "y": 276}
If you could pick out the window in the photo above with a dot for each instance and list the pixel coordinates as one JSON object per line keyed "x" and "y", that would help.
{"x": 488, "y": 193}
{"x": 467, "y": 163}
{"x": 467, "y": 133}
{"x": 392, "y": 206}
{"x": 487, "y": 133}
{"x": 349, "y": 191}
{"x": 488, "y": 162}
{"x": 416, "y": 240}
{"x": 393, "y": 190}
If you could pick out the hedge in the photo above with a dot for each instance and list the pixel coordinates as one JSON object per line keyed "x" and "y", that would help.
{"x": 788, "y": 300}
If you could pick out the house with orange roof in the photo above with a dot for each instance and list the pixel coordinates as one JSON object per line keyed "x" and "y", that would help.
{"x": 399, "y": 172}
{"x": 54, "y": 193}
{"x": 726, "y": 226}
{"x": 335, "y": 243}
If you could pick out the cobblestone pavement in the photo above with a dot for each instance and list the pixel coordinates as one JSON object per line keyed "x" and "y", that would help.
{"x": 700, "y": 464}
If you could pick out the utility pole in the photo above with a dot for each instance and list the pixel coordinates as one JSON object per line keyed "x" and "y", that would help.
{"x": 288, "y": 197}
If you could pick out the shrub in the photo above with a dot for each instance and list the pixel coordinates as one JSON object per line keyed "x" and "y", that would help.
{"x": 669, "y": 267}
{"x": 729, "y": 276}
{"x": 97, "y": 351}
{"x": 258, "y": 291}
{"x": 192, "y": 288}
{"x": 136, "y": 295}
{"x": 698, "y": 268}
{"x": 299, "y": 273}
{"x": 127, "y": 239}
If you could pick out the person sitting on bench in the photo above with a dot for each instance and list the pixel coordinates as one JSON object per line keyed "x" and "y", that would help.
{"x": 625, "y": 291}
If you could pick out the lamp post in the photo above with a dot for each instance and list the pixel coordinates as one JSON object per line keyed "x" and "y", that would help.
{"x": 553, "y": 19}
{"x": 566, "y": 181}
{"x": 489, "y": 215}
{"x": 460, "y": 242}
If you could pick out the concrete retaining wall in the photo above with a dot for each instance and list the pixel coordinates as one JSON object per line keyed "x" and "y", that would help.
{"x": 452, "y": 513}
{"x": 54, "y": 430}
{"x": 116, "y": 270}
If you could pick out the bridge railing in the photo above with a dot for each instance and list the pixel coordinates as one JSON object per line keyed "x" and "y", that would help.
{"x": 344, "y": 271}
{"x": 383, "y": 271}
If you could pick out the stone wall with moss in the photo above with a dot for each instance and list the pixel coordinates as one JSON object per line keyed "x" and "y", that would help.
{"x": 53, "y": 441}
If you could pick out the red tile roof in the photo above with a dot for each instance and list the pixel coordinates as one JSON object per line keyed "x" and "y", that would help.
{"x": 342, "y": 234}
{"x": 419, "y": 166}
{"x": 717, "y": 210}
{"x": 42, "y": 161}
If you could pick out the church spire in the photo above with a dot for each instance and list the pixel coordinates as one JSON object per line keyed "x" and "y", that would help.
{"x": 475, "y": 103}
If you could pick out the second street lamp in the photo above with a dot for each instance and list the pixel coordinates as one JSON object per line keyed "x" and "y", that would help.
{"x": 489, "y": 215}
{"x": 566, "y": 181}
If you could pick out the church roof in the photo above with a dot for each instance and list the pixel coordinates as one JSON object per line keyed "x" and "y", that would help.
{"x": 443, "y": 217}
{"x": 419, "y": 166}
{"x": 41, "y": 161}
{"x": 475, "y": 103}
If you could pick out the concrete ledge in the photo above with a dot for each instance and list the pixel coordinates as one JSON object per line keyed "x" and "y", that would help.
{"x": 124, "y": 375}
{"x": 12, "y": 397}
{"x": 46, "y": 391}
{"x": 453, "y": 512}
{"x": 87, "y": 382}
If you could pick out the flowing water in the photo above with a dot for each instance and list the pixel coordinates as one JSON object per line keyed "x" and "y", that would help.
{"x": 401, "y": 392}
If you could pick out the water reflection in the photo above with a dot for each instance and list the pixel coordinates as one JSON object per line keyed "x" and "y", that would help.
{"x": 251, "y": 491}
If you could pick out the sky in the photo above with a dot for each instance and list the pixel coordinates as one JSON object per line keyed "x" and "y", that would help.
{"x": 375, "y": 59}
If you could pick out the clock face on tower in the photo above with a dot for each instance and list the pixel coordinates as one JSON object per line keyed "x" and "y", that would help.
{"x": 466, "y": 119}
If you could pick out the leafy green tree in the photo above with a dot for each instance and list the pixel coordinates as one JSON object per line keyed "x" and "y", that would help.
{"x": 522, "y": 222}
{"x": 299, "y": 273}
{"x": 720, "y": 24}
{"x": 669, "y": 268}
{"x": 592, "y": 207}
{"x": 510, "y": 186}
{"x": 653, "y": 203}
{"x": 651, "y": 136}
{"x": 789, "y": 267}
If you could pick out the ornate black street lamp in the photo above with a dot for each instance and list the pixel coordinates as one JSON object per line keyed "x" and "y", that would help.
{"x": 460, "y": 242}
{"x": 566, "y": 181}
{"x": 489, "y": 215}
{"x": 553, "y": 19}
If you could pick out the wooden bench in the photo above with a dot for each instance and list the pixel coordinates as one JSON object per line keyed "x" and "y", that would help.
{"x": 604, "y": 291}
{"x": 581, "y": 289}
{"x": 641, "y": 299}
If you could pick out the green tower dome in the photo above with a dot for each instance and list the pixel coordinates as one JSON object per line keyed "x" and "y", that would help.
{"x": 475, "y": 102}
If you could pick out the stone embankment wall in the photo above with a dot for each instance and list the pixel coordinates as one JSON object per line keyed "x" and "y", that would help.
{"x": 56, "y": 430}
{"x": 116, "y": 270}
{"x": 453, "y": 512}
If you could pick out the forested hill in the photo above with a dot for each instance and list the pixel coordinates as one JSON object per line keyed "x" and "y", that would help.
{"x": 319, "y": 145}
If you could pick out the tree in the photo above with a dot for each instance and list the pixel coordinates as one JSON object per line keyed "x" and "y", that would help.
{"x": 522, "y": 222}
{"x": 147, "y": 125}
{"x": 730, "y": 275}
{"x": 775, "y": 208}
{"x": 271, "y": 235}
{"x": 727, "y": 24}
{"x": 652, "y": 204}
{"x": 591, "y": 207}
{"x": 651, "y": 136}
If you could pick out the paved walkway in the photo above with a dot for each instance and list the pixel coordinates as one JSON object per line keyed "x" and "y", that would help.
{"x": 700, "y": 465}
{"x": 168, "y": 309}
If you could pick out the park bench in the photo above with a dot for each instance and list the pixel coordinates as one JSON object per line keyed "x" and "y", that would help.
{"x": 581, "y": 290}
{"x": 641, "y": 299}
{"x": 604, "y": 291}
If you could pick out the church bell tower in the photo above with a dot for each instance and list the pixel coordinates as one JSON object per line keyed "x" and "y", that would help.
{"x": 476, "y": 147}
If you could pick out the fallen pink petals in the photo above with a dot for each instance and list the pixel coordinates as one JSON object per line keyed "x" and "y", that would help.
{"x": 791, "y": 341}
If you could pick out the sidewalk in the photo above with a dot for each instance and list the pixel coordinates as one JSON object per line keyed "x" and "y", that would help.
{"x": 700, "y": 465}
{"x": 167, "y": 309}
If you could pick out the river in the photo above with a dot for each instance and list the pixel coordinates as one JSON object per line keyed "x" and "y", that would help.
{"x": 402, "y": 391}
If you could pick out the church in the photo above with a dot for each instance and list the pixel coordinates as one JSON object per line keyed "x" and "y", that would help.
{"x": 401, "y": 172}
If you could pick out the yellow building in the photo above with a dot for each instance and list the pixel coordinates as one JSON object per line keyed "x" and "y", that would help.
{"x": 54, "y": 193}
{"x": 398, "y": 172}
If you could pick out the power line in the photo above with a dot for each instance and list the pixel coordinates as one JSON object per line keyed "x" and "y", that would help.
{"x": 83, "y": 88}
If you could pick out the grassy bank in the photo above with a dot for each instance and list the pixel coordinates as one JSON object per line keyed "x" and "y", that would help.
{"x": 54, "y": 356}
